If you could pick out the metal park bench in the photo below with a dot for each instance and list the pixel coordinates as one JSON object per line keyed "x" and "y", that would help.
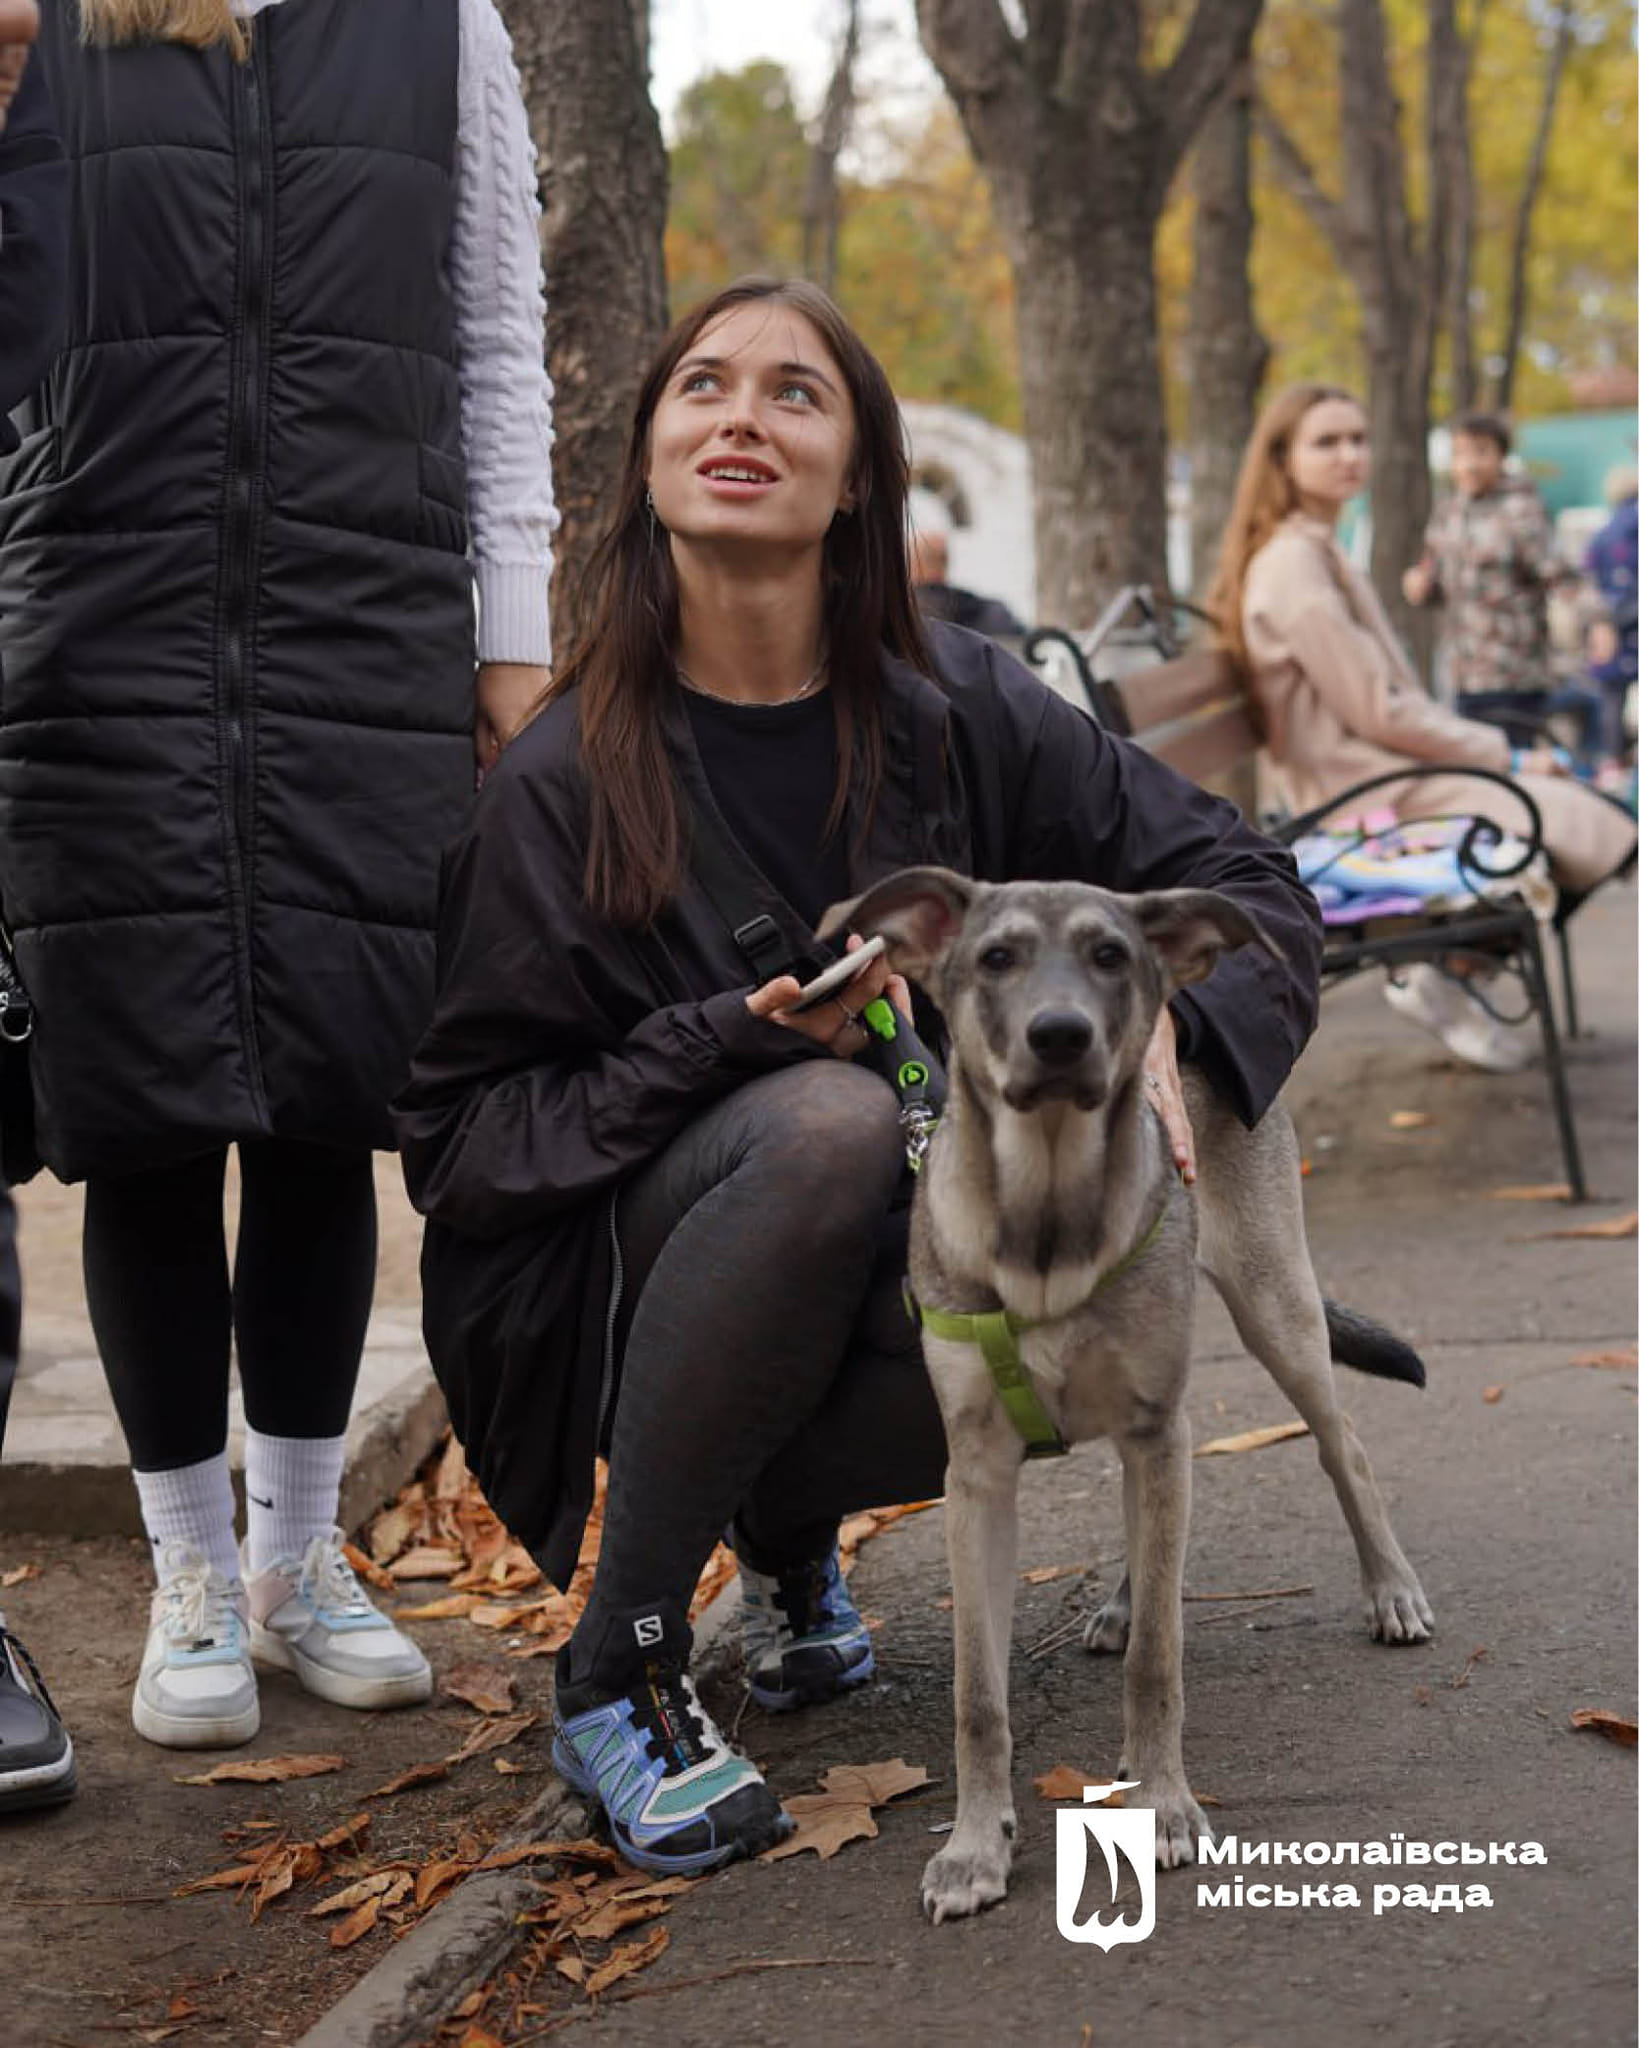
{"x": 1183, "y": 704}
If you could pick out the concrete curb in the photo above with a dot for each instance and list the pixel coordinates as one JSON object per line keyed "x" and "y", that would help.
{"x": 465, "y": 1940}
{"x": 93, "y": 1495}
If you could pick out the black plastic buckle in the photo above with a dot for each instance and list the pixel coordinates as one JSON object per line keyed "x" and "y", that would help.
{"x": 760, "y": 940}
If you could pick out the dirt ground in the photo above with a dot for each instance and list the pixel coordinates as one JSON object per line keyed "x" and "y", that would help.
{"x": 1518, "y": 1510}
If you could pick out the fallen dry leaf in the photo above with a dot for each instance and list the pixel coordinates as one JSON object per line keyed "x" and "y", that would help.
{"x": 613, "y": 1916}
{"x": 1045, "y": 1574}
{"x": 507, "y": 1768}
{"x": 1612, "y": 1726}
{"x": 1064, "y": 1781}
{"x": 1409, "y": 1119}
{"x": 391, "y": 1532}
{"x": 357, "y": 1924}
{"x": 1611, "y": 1227}
{"x": 368, "y": 1570}
{"x": 1626, "y": 1359}
{"x": 1536, "y": 1191}
{"x": 455, "y": 1608}
{"x": 453, "y": 1476}
{"x": 267, "y": 1770}
{"x": 824, "y": 1825}
{"x": 840, "y": 1813}
{"x": 1492, "y": 1396}
{"x": 434, "y": 1879}
{"x": 1251, "y": 1439}
{"x": 494, "y": 1735}
{"x": 490, "y": 1690}
{"x": 353, "y": 1894}
{"x": 417, "y": 1774}
{"x": 479, "y": 2037}
{"x": 350, "y": 1831}
{"x": 571, "y": 1967}
{"x": 18, "y": 1573}
{"x": 425, "y": 1562}
{"x": 876, "y": 1784}
{"x": 636, "y": 1955}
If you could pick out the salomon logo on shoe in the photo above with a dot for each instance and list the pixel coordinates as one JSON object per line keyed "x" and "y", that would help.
{"x": 650, "y": 1631}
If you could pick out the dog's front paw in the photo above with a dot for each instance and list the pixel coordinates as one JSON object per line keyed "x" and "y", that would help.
{"x": 1398, "y": 1612}
{"x": 968, "y": 1874}
{"x": 1180, "y": 1825}
{"x": 1109, "y": 1626}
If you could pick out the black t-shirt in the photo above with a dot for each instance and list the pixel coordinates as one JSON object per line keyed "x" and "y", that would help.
{"x": 773, "y": 771}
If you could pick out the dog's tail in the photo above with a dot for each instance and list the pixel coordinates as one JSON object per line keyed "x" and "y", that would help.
{"x": 1368, "y": 1347}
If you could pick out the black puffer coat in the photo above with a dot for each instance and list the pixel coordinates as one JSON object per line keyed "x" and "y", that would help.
{"x": 564, "y": 1054}
{"x": 238, "y": 629}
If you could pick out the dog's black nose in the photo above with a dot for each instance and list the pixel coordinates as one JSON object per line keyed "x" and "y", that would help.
{"x": 1058, "y": 1038}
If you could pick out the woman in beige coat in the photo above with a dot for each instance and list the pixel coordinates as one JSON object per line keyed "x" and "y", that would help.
{"x": 1338, "y": 700}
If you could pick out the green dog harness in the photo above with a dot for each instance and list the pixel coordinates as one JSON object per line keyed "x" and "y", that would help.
{"x": 997, "y": 1331}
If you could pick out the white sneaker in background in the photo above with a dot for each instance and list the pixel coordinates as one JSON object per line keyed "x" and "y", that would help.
{"x": 1462, "y": 1023}
{"x": 196, "y": 1688}
{"x": 311, "y": 1616}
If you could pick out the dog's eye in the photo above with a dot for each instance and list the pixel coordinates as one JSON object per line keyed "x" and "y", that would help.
{"x": 1109, "y": 956}
{"x": 996, "y": 959}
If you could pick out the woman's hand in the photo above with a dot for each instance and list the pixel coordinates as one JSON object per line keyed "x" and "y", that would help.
{"x": 506, "y": 693}
{"x": 1166, "y": 1093}
{"x": 833, "y": 1023}
{"x": 1417, "y": 583}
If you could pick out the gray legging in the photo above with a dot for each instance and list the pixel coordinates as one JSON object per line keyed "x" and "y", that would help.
{"x": 768, "y": 1373}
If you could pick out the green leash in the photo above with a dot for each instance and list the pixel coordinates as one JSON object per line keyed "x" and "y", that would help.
{"x": 997, "y": 1331}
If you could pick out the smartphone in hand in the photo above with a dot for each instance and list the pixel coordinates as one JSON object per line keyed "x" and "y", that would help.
{"x": 838, "y": 975}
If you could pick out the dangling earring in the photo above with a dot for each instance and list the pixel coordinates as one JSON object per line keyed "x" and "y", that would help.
{"x": 648, "y": 506}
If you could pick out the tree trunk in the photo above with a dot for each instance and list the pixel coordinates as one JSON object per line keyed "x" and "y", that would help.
{"x": 1093, "y": 416}
{"x": 1518, "y": 283}
{"x": 1465, "y": 390}
{"x": 1079, "y": 142}
{"x": 1227, "y": 354}
{"x": 603, "y": 190}
{"x": 1399, "y": 286}
{"x": 821, "y": 205}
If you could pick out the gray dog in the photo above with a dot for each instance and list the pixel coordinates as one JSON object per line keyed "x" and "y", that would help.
{"x": 1053, "y": 1256}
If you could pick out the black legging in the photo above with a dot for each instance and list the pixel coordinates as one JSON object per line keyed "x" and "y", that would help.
{"x": 769, "y": 1374}
{"x": 164, "y": 1313}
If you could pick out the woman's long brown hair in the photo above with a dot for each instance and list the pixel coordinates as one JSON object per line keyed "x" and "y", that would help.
{"x": 1264, "y": 495}
{"x": 199, "y": 22}
{"x": 623, "y": 666}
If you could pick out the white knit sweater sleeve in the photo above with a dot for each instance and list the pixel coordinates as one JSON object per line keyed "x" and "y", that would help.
{"x": 500, "y": 323}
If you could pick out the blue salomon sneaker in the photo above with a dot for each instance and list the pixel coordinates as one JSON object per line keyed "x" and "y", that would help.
{"x": 676, "y": 1796}
{"x": 804, "y": 1640}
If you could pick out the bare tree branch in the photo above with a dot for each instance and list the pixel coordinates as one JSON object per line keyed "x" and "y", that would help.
{"x": 1183, "y": 94}
{"x": 1298, "y": 175}
{"x": 1518, "y": 283}
{"x": 820, "y": 203}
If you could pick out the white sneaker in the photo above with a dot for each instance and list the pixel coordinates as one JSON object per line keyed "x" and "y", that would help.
{"x": 1463, "y": 1025}
{"x": 196, "y": 1688}
{"x": 310, "y": 1615}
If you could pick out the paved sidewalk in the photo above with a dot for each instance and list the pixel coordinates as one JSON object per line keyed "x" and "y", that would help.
{"x": 66, "y": 1471}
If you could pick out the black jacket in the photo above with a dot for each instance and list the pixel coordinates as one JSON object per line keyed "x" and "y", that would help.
{"x": 33, "y": 251}
{"x": 563, "y": 1054}
{"x": 238, "y": 628}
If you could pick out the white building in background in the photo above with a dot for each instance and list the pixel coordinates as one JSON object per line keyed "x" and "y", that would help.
{"x": 971, "y": 481}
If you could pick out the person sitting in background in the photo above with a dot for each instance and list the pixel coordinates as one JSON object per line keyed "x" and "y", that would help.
{"x": 1338, "y": 701}
{"x": 36, "y": 1756}
{"x": 939, "y": 598}
{"x": 1613, "y": 640}
{"x": 1488, "y": 559}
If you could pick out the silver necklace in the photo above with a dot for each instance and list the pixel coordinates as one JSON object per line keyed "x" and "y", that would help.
{"x": 754, "y": 703}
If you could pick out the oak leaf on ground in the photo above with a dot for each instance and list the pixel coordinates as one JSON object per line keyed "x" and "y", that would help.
{"x": 483, "y": 1686}
{"x": 636, "y": 1955}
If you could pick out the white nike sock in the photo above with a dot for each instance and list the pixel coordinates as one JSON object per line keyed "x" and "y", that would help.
{"x": 193, "y": 1504}
{"x": 292, "y": 1486}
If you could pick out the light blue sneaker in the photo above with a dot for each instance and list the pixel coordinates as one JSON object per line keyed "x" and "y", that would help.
{"x": 804, "y": 1639}
{"x": 676, "y": 1796}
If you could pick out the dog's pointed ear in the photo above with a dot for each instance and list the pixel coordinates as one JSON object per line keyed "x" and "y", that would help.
{"x": 1190, "y": 928}
{"x": 917, "y": 910}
